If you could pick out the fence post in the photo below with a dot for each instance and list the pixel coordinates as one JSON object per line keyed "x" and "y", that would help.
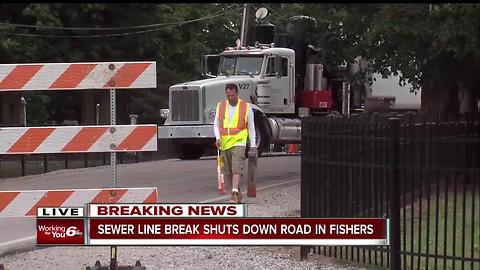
{"x": 304, "y": 184}
{"x": 394, "y": 194}
{"x": 120, "y": 156}
{"x": 22, "y": 164}
{"x": 45, "y": 163}
{"x": 346, "y": 98}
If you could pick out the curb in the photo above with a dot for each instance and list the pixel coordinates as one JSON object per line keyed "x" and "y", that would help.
{"x": 17, "y": 246}
{"x": 26, "y": 244}
{"x": 226, "y": 197}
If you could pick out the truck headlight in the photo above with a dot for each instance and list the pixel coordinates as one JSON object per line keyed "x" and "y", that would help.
{"x": 164, "y": 113}
{"x": 211, "y": 114}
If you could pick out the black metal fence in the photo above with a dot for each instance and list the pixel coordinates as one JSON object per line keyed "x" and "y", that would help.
{"x": 22, "y": 165}
{"x": 421, "y": 171}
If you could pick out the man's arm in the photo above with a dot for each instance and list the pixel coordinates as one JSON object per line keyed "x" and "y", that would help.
{"x": 251, "y": 127}
{"x": 216, "y": 128}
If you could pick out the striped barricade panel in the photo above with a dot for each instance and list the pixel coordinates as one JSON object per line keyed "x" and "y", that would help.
{"x": 78, "y": 139}
{"x": 71, "y": 76}
{"x": 25, "y": 203}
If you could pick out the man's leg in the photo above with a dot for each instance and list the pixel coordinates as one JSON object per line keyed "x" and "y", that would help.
{"x": 228, "y": 182}
{"x": 238, "y": 160}
{"x": 227, "y": 168}
{"x": 236, "y": 181}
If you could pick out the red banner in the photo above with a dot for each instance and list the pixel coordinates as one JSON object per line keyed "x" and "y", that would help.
{"x": 212, "y": 231}
{"x": 242, "y": 231}
{"x": 60, "y": 231}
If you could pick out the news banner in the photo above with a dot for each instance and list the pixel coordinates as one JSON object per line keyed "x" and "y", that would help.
{"x": 197, "y": 224}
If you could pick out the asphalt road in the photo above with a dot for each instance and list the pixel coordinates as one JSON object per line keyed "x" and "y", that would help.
{"x": 176, "y": 180}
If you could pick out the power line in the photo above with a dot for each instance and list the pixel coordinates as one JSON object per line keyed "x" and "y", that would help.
{"x": 159, "y": 27}
{"x": 98, "y": 28}
{"x": 276, "y": 12}
{"x": 283, "y": 17}
{"x": 84, "y": 36}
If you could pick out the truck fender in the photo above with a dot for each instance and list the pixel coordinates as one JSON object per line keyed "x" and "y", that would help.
{"x": 260, "y": 115}
{"x": 258, "y": 110}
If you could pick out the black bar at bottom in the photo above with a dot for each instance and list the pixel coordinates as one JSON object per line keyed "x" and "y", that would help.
{"x": 113, "y": 258}
{"x": 394, "y": 190}
{"x": 22, "y": 161}
{"x": 45, "y": 163}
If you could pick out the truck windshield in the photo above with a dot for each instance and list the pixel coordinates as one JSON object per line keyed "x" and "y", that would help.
{"x": 240, "y": 65}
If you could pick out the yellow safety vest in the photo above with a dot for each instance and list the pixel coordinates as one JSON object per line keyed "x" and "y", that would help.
{"x": 236, "y": 131}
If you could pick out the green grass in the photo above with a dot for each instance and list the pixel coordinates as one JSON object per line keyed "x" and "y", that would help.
{"x": 435, "y": 240}
{"x": 432, "y": 242}
{"x": 356, "y": 257}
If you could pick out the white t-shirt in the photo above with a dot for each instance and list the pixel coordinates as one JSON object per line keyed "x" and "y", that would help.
{"x": 250, "y": 123}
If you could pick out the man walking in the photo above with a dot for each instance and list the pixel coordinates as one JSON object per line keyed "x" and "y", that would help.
{"x": 233, "y": 126}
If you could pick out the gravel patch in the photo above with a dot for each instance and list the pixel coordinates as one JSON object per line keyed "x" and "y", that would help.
{"x": 277, "y": 202}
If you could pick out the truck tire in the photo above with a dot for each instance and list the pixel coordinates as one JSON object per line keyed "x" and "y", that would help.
{"x": 263, "y": 142}
{"x": 188, "y": 151}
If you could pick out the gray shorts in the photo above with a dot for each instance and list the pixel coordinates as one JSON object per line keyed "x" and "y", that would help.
{"x": 233, "y": 160}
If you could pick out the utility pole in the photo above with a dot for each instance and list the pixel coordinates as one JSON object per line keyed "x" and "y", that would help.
{"x": 97, "y": 113}
{"x": 24, "y": 107}
{"x": 245, "y": 24}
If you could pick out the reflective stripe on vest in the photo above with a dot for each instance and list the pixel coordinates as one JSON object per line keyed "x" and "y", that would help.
{"x": 233, "y": 132}
{"x": 240, "y": 117}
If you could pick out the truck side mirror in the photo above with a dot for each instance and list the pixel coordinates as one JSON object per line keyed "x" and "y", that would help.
{"x": 209, "y": 64}
{"x": 278, "y": 66}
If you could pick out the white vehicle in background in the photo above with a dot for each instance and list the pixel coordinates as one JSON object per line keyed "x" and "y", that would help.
{"x": 282, "y": 79}
{"x": 389, "y": 87}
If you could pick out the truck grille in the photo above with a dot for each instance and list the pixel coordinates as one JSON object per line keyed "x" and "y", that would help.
{"x": 185, "y": 105}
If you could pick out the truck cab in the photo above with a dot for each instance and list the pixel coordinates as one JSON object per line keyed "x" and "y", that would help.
{"x": 281, "y": 76}
{"x": 265, "y": 78}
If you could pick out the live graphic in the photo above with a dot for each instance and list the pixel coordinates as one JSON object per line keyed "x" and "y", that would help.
{"x": 60, "y": 231}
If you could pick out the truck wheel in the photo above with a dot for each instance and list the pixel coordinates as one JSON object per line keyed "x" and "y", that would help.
{"x": 188, "y": 151}
{"x": 262, "y": 137}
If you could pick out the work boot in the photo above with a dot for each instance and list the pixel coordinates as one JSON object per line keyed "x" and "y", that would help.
{"x": 236, "y": 197}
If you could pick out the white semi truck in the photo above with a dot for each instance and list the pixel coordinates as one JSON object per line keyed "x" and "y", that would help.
{"x": 281, "y": 81}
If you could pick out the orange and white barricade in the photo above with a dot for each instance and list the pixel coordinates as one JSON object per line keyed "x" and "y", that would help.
{"x": 75, "y": 76}
{"x": 26, "y": 202}
{"x": 78, "y": 139}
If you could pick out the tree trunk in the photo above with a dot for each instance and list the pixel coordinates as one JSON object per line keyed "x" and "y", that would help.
{"x": 439, "y": 99}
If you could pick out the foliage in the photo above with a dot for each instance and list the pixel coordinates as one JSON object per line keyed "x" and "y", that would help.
{"x": 37, "y": 113}
{"x": 429, "y": 45}
{"x": 176, "y": 47}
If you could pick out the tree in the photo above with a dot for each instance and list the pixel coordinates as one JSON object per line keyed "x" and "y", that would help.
{"x": 175, "y": 47}
{"x": 433, "y": 47}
